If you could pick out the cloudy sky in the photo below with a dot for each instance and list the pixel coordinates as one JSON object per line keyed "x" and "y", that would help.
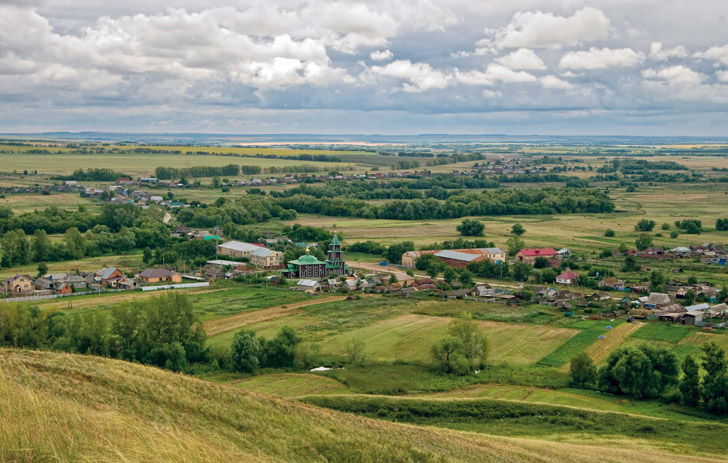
{"x": 633, "y": 67}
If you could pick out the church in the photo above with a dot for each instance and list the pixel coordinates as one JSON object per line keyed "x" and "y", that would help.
{"x": 308, "y": 266}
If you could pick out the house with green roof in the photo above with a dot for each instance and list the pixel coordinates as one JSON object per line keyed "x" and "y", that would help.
{"x": 308, "y": 266}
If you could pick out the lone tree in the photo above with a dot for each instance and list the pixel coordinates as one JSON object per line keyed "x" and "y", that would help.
{"x": 447, "y": 358}
{"x": 474, "y": 343}
{"x": 582, "y": 371}
{"x": 355, "y": 352}
{"x": 517, "y": 229}
{"x": 470, "y": 227}
{"x": 245, "y": 352}
{"x": 515, "y": 244}
{"x": 643, "y": 241}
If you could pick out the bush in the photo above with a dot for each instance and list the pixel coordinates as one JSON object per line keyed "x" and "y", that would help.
{"x": 469, "y": 227}
{"x": 645, "y": 225}
{"x": 609, "y": 232}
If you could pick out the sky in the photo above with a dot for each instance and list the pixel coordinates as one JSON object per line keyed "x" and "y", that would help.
{"x": 571, "y": 67}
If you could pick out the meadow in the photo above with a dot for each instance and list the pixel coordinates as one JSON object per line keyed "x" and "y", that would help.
{"x": 65, "y": 407}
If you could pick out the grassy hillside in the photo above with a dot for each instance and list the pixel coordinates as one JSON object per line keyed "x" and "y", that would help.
{"x": 63, "y": 407}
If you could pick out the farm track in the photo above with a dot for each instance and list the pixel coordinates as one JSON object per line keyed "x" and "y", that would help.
{"x": 223, "y": 325}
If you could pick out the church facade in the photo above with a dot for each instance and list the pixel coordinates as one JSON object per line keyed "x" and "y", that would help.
{"x": 308, "y": 266}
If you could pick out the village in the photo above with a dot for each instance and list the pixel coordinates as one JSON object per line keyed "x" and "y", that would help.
{"x": 695, "y": 304}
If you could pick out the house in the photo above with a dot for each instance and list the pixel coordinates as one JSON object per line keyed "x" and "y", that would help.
{"x": 18, "y": 284}
{"x": 128, "y": 283}
{"x": 266, "y": 258}
{"x": 108, "y": 276}
{"x": 309, "y": 286}
{"x": 718, "y": 310}
{"x": 694, "y": 318}
{"x": 64, "y": 288}
{"x": 237, "y": 249}
{"x": 158, "y": 275}
{"x": 409, "y": 258}
{"x": 529, "y": 256}
{"x": 56, "y": 282}
{"x": 567, "y": 278}
{"x": 613, "y": 283}
{"x": 657, "y": 301}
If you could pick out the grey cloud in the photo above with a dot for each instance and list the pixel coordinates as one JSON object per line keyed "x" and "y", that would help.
{"x": 287, "y": 62}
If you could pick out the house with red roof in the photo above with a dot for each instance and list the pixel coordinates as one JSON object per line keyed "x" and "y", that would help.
{"x": 529, "y": 255}
{"x": 567, "y": 278}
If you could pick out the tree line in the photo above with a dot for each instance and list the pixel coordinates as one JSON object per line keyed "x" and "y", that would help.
{"x": 648, "y": 372}
{"x": 92, "y": 175}
{"x": 168, "y": 173}
{"x": 498, "y": 202}
{"x": 161, "y": 331}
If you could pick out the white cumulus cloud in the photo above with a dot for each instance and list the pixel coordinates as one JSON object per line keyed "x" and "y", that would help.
{"x": 553, "y": 82}
{"x": 494, "y": 74}
{"x": 674, "y": 75}
{"x": 717, "y": 54}
{"x": 659, "y": 53}
{"x": 418, "y": 76}
{"x": 536, "y": 29}
{"x": 522, "y": 59}
{"x": 381, "y": 55}
{"x": 601, "y": 58}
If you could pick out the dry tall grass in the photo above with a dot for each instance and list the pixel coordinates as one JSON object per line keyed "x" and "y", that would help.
{"x": 62, "y": 407}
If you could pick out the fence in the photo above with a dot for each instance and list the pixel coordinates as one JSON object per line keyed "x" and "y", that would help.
{"x": 179, "y": 286}
{"x": 54, "y": 296}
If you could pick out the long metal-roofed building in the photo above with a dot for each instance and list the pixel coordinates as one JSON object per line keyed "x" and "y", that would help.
{"x": 457, "y": 258}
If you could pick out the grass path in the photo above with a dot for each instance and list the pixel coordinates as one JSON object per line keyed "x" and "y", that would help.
{"x": 233, "y": 322}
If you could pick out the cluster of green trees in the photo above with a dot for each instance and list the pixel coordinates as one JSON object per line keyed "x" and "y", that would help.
{"x": 651, "y": 372}
{"x": 168, "y": 173}
{"x": 118, "y": 229}
{"x": 464, "y": 350}
{"x": 690, "y": 226}
{"x": 92, "y": 175}
{"x": 721, "y": 224}
{"x": 249, "y": 352}
{"x": 244, "y": 210}
{"x": 161, "y": 331}
{"x": 499, "y": 202}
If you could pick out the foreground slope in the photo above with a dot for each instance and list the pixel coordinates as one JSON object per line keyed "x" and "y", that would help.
{"x": 66, "y": 407}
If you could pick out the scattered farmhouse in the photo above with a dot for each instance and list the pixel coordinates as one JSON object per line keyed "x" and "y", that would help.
{"x": 266, "y": 258}
{"x": 529, "y": 256}
{"x": 158, "y": 275}
{"x": 567, "y": 278}
{"x": 18, "y": 284}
